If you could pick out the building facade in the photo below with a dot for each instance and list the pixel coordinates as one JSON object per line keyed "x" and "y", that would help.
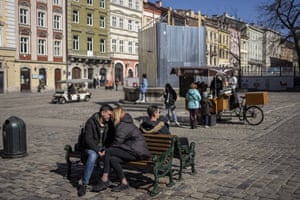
{"x": 212, "y": 41}
{"x": 42, "y": 42}
{"x": 87, "y": 40}
{"x": 8, "y": 45}
{"x": 125, "y": 23}
{"x": 255, "y": 48}
{"x": 40, "y": 55}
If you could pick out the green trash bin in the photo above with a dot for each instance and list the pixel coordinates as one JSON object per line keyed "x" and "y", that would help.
{"x": 14, "y": 138}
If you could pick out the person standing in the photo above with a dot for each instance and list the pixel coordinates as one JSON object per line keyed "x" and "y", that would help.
{"x": 129, "y": 145}
{"x": 117, "y": 83}
{"x": 205, "y": 109}
{"x": 234, "y": 99}
{"x": 143, "y": 89}
{"x": 71, "y": 90}
{"x": 170, "y": 98}
{"x": 98, "y": 135}
{"x": 216, "y": 86}
{"x": 193, "y": 99}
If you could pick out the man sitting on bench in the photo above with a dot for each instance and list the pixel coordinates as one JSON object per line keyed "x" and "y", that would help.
{"x": 98, "y": 134}
{"x": 154, "y": 123}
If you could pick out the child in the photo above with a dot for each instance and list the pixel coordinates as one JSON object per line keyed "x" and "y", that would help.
{"x": 205, "y": 108}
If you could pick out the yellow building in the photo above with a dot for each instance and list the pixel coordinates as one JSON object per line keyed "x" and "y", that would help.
{"x": 7, "y": 45}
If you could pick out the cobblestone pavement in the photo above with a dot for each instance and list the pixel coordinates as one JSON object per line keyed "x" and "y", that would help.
{"x": 234, "y": 160}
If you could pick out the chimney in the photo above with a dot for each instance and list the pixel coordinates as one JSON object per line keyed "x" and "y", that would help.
{"x": 158, "y": 3}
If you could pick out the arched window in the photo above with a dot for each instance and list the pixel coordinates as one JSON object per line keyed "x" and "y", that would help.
{"x": 76, "y": 73}
{"x": 130, "y": 73}
{"x": 136, "y": 70}
{"x": 119, "y": 72}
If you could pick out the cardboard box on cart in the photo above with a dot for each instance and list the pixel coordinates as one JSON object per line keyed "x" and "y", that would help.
{"x": 257, "y": 98}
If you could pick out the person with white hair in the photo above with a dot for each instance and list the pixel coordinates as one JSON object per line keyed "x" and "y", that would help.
{"x": 233, "y": 101}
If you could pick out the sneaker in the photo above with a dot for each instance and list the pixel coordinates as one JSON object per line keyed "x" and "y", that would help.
{"x": 81, "y": 190}
{"x": 100, "y": 186}
{"x": 177, "y": 124}
{"x": 206, "y": 126}
{"x": 120, "y": 188}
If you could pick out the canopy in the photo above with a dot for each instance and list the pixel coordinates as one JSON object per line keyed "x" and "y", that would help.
{"x": 202, "y": 71}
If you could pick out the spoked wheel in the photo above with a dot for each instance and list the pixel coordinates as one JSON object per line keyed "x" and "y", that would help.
{"x": 86, "y": 98}
{"x": 254, "y": 115}
{"x": 62, "y": 100}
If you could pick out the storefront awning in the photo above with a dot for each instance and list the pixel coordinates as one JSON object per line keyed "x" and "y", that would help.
{"x": 202, "y": 71}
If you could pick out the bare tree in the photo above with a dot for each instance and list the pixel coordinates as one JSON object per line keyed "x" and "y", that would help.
{"x": 283, "y": 15}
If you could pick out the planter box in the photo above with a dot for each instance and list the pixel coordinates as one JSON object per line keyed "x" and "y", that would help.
{"x": 257, "y": 98}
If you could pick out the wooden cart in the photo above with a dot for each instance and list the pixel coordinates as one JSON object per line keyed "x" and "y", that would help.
{"x": 249, "y": 108}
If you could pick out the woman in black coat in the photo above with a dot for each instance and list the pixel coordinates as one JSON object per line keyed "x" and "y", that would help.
{"x": 129, "y": 145}
{"x": 170, "y": 97}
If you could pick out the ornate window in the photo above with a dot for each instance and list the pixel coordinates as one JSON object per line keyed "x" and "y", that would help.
{"x": 24, "y": 16}
{"x": 41, "y": 47}
{"x": 24, "y": 45}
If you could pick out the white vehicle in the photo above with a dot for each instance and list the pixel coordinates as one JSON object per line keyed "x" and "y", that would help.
{"x": 73, "y": 90}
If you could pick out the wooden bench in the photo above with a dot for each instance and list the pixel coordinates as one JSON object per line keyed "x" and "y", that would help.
{"x": 162, "y": 148}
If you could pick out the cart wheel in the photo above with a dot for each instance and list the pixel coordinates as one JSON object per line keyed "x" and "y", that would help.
{"x": 62, "y": 100}
{"x": 87, "y": 98}
{"x": 254, "y": 115}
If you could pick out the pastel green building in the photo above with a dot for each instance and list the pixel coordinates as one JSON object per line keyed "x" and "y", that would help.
{"x": 87, "y": 39}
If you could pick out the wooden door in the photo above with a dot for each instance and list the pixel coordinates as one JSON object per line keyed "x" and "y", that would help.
{"x": 57, "y": 77}
{"x": 76, "y": 73}
{"x": 25, "y": 79}
{"x": 1, "y": 82}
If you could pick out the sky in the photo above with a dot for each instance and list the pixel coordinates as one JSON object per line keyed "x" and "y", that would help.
{"x": 246, "y": 10}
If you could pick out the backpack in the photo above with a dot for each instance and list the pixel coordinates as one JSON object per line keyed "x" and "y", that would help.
{"x": 80, "y": 145}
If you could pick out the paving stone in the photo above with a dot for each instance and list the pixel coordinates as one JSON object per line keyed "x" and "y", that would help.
{"x": 233, "y": 160}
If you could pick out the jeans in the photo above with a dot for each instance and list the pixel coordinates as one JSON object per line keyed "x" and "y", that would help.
{"x": 173, "y": 113}
{"x": 92, "y": 157}
{"x": 205, "y": 120}
{"x": 142, "y": 96}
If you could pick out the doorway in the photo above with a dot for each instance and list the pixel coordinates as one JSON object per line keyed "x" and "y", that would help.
{"x": 90, "y": 76}
{"x": 119, "y": 72}
{"x": 25, "y": 79}
{"x": 1, "y": 82}
{"x": 57, "y": 77}
{"x": 76, "y": 73}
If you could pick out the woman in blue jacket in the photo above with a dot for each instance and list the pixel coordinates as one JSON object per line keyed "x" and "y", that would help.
{"x": 193, "y": 99}
{"x": 143, "y": 89}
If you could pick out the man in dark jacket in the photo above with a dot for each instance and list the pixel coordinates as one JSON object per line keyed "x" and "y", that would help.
{"x": 129, "y": 145}
{"x": 98, "y": 135}
{"x": 154, "y": 123}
